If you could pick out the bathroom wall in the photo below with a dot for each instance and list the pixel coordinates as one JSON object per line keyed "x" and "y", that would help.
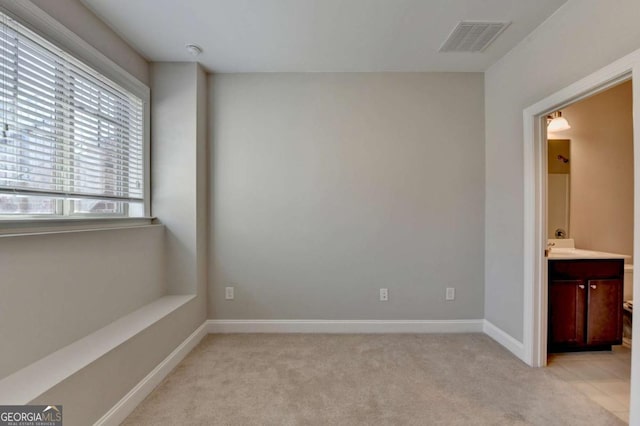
{"x": 327, "y": 187}
{"x": 601, "y": 134}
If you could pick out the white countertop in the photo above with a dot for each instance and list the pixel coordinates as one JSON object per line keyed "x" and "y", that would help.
{"x": 574, "y": 253}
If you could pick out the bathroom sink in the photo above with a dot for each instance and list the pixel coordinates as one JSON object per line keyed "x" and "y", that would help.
{"x": 574, "y": 253}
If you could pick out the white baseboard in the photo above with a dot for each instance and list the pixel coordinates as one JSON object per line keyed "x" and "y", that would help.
{"x": 500, "y": 336}
{"x": 345, "y": 326}
{"x": 130, "y": 401}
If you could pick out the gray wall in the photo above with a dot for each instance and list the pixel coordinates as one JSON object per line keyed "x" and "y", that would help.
{"x": 179, "y": 173}
{"x": 61, "y": 287}
{"x": 327, "y": 187}
{"x": 179, "y": 170}
{"x": 585, "y": 35}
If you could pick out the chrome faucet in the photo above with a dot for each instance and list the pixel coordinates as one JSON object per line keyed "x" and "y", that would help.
{"x": 547, "y": 251}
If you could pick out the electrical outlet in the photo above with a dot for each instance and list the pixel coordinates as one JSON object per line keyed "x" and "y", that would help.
{"x": 451, "y": 293}
{"x": 228, "y": 293}
{"x": 384, "y": 294}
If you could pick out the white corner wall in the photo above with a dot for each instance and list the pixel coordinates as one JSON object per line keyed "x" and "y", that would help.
{"x": 585, "y": 35}
{"x": 327, "y": 187}
{"x": 179, "y": 174}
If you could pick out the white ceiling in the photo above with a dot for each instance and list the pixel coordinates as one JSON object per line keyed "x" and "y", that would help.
{"x": 317, "y": 35}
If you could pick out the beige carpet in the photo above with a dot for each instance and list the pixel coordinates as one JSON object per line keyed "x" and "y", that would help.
{"x": 462, "y": 379}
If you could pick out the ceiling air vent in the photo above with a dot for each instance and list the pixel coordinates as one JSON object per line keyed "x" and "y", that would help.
{"x": 473, "y": 36}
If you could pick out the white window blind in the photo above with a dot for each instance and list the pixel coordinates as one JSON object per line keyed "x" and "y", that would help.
{"x": 69, "y": 136}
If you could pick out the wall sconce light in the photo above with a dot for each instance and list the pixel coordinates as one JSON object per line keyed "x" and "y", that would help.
{"x": 556, "y": 122}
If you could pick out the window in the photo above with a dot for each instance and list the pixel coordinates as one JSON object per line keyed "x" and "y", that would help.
{"x": 71, "y": 140}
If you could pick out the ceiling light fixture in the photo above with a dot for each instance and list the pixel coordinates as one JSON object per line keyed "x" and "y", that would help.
{"x": 556, "y": 122}
{"x": 193, "y": 49}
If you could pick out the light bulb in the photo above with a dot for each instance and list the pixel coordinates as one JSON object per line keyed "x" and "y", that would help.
{"x": 558, "y": 124}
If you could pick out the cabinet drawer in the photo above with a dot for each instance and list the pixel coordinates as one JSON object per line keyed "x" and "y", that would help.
{"x": 582, "y": 268}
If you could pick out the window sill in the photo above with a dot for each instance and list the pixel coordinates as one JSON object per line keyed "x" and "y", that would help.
{"x": 40, "y": 226}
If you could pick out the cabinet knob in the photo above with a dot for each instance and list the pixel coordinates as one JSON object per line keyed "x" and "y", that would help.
{"x": 581, "y": 286}
{"x": 593, "y": 286}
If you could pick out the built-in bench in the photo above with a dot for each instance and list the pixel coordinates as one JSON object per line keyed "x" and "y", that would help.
{"x": 28, "y": 383}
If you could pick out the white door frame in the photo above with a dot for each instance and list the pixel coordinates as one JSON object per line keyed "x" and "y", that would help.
{"x": 535, "y": 276}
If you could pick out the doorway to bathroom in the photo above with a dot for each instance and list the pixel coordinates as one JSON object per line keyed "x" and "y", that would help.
{"x": 535, "y": 340}
{"x": 589, "y": 229}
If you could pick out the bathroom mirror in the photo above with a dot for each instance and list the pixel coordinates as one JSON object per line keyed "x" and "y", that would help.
{"x": 558, "y": 187}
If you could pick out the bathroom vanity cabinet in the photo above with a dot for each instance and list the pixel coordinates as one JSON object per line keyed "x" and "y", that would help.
{"x": 585, "y": 304}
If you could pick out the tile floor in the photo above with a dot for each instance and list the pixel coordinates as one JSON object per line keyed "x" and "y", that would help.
{"x": 604, "y": 377}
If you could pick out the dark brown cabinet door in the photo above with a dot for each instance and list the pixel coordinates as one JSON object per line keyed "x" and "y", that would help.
{"x": 585, "y": 304}
{"x": 604, "y": 310}
{"x": 567, "y": 300}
